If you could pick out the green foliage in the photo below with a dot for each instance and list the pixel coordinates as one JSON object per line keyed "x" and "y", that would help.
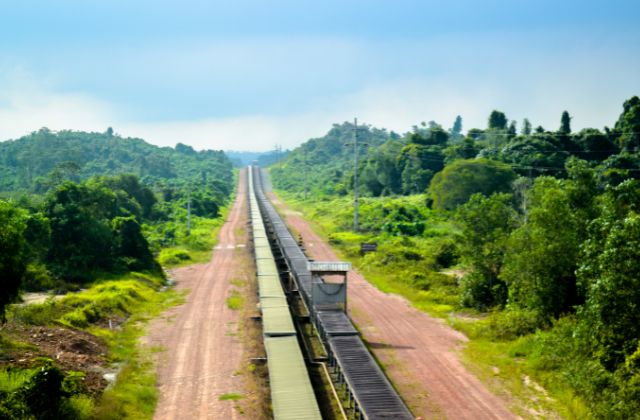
{"x": 235, "y": 301}
{"x": 130, "y": 247}
{"x": 565, "y": 123}
{"x": 628, "y": 125}
{"x": 513, "y": 322}
{"x": 12, "y": 265}
{"x": 497, "y": 120}
{"x": 526, "y": 127}
{"x": 459, "y": 181}
{"x": 543, "y": 253}
{"x": 27, "y": 163}
{"x": 609, "y": 273}
{"x": 43, "y": 393}
{"x": 485, "y": 227}
{"x": 173, "y": 256}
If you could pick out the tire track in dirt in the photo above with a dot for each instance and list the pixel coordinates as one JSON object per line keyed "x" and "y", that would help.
{"x": 202, "y": 350}
{"x": 418, "y": 351}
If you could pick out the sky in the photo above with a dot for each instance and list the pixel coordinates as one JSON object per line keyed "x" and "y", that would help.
{"x": 245, "y": 75}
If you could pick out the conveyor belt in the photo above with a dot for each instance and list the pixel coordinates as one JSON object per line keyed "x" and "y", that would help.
{"x": 375, "y": 398}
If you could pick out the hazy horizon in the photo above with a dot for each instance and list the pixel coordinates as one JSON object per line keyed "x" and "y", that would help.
{"x": 247, "y": 75}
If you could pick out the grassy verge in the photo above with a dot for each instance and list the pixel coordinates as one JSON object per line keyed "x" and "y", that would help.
{"x": 505, "y": 362}
{"x": 112, "y": 312}
{"x": 196, "y": 247}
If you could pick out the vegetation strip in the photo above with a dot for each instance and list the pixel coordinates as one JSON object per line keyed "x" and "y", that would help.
{"x": 84, "y": 227}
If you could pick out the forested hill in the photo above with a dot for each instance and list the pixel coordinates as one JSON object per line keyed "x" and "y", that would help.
{"x": 392, "y": 164}
{"x": 36, "y": 162}
{"x": 329, "y": 159}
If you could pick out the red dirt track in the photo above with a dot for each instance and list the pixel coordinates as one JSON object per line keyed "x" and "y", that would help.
{"x": 417, "y": 350}
{"x": 202, "y": 354}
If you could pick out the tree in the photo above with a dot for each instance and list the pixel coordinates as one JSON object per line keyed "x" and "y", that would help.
{"x": 512, "y": 130}
{"x": 526, "y": 127}
{"x": 497, "y": 120}
{"x": 80, "y": 231}
{"x": 457, "y": 126}
{"x": 129, "y": 246}
{"x": 415, "y": 180}
{"x": 12, "y": 265}
{"x": 610, "y": 273}
{"x": 485, "y": 224}
{"x": 369, "y": 179}
{"x": 466, "y": 150}
{"x": 629, "y": 124}
{"x": 542, "y": 255}
{"x": 475, "y": 133}
{"x": 565, "y": 123}
{"x": 459, "y": 181}
{"x": 539, "y": 130}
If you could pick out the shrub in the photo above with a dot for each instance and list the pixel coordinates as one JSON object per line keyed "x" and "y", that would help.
{"x": 173, "y": 256}
{"x": 36, "y": 279}
{"x": 513, "y": 322}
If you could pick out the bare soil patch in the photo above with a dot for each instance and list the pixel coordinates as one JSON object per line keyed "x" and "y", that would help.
{"x": 72, "y": 350}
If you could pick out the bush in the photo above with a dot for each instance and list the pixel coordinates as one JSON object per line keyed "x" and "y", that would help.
{"x": 37, "y": 313}
{"x": 481, "y": 293}
{"x": 513, "y": 322}
{"x": 173, "y": 256}
{"x": 36, "y": 279}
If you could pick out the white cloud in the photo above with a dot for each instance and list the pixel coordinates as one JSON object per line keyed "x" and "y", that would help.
{"x": 27, "y": 106}
{"x": 468, "y": 75}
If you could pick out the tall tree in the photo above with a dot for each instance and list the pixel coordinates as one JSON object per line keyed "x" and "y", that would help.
{"x": 497, "y": 120}
{"x": 565, "y": 123}
{"x": 526, "y": 127}
{"x": 485, "y": 224}
{"x": 457, "y": 125}
{"x": 512, "y": 131}
{"x": 12, "y": 266}
{"x": 542, "y": 254}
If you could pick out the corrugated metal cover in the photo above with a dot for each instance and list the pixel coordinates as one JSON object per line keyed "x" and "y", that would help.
{"x": 291, "y": 392}
{"x": 273, "y": 302}
{"x": 270, "y": 286}
{"x": 329, "y": 266}
{"x": 277, "y": 321}
{"x": 261, "y": 243}
{"x": 266, "y": 267}
{"x": 263, "y": 253}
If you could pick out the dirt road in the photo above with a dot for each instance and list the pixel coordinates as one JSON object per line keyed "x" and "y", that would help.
{"x": 417, "y": 350}
{"x": 202, "y": 349}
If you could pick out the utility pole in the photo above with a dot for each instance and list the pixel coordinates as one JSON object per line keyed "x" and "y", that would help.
{"x": 189, "y": 206}
{"x": 280, "y": 150}
{"x": 355, "y": 172}
{"x": 305, "y": 174}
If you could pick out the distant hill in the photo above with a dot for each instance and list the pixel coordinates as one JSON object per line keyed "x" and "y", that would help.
{"x": 329, "y": 159}
{"x": 28, "y": 162}
{"x": 242, "y": 159}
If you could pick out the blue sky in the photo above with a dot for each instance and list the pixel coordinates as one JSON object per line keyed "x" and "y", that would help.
{"x": 244, "y": 75}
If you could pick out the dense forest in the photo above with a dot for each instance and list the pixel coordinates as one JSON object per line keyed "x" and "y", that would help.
{"x": 80, "y": 204}
{"x": 542, "y": 224}
{"x": 35, "y": 162}
{"x": 98, "y": 215}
